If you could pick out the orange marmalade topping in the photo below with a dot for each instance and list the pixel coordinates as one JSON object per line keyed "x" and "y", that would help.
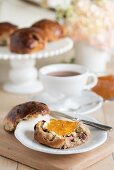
{"x": 105, "y": 87}
{"x": 62, "y": 127}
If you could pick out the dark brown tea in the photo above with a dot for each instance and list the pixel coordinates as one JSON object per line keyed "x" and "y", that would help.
{"x": 64, "y": 73}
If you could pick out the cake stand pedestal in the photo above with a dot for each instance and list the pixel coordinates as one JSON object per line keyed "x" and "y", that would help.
{"x": 23, "y": 75}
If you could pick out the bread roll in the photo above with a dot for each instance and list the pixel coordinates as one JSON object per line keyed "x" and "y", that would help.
{"x": 6, "y": 29}
{"x": 27, "y": 40}
{"x": 53, "y": 30}
{"x": 24, "y": 111}
{"x": 61, "y": 134}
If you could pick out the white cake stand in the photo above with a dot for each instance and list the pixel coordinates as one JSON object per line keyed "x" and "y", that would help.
{"x": 23, "y": 76}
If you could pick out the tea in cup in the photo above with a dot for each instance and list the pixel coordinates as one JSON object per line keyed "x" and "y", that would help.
{"x": 65, "y": 80}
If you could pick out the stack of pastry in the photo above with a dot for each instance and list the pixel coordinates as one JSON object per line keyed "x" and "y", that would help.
{"x": 32, "y": 39}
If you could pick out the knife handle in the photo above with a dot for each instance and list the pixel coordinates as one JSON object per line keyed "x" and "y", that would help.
{"x": 97, "y": 125}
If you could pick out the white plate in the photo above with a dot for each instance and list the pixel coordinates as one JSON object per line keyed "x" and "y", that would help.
{"x": 25, "y": 134}
{"x": 52, "y": 49}
{"x": 86, "y": 103}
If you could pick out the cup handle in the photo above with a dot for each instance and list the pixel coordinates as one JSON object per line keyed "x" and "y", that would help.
{"x": 93, "y": 82}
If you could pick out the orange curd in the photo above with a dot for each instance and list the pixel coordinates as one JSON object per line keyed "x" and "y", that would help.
{"x": 62, "y": 127}
{"x": 105, "y": 87}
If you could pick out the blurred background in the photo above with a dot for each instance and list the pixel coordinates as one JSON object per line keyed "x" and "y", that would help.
{"x": 89, "y": 23}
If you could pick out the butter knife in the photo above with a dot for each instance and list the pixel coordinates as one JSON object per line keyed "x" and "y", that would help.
{"x": 90, "y": 123}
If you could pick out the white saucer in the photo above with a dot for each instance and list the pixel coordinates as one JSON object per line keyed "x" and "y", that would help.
{"x": 25, "y": 134}
{"x": 85, "y": 103}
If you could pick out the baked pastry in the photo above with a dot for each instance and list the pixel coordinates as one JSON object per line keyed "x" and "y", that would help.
{"x": 61, "y": 134}
{"x": 53, "y": 30}
{"x": 6, "y": 29}
{"x": 27, "y": 40}
{"x": 24, "y": 111}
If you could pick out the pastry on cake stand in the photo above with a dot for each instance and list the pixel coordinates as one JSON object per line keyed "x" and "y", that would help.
{"x": 23, "y": 75}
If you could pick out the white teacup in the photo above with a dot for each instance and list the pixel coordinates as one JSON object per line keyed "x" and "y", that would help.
{"x": 66, "y": 80}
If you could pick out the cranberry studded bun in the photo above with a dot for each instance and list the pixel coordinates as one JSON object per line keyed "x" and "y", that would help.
{"x": 61, "y": 134}
{"x": 53, "y": 30}
{"x": 6, "y": 29}
{"x": 24, "y": 111}
{"x": 27, "y": 40}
